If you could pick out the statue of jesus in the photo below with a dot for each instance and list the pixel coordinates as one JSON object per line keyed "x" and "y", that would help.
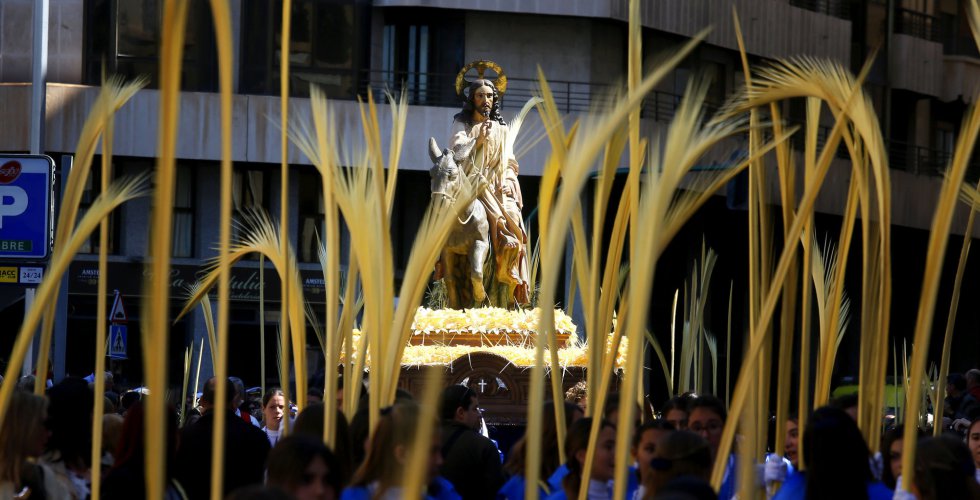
{"x": 480, "y": 119}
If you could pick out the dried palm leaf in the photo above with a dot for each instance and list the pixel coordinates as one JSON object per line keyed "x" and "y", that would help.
{"x": 830, "y": 81}
{"x": 938, "y": 239}
{"x": 418, "y": 464}
{"x": 953, "y": 306}
{"x": 118, "y": 193}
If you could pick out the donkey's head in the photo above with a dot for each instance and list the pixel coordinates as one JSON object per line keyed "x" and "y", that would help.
{"x": 446, "y": 173}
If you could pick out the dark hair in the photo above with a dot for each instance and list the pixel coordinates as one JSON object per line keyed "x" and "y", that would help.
{"x": 128, "y": 399}
{"x": 892, "y": 435}
{"x": 611, "y": 406}
{"x": 578, "y": 440}
{"x": 309, "y": 422}
{"x": 466, "y": 115}
{"x": 835, "y": 455}
{"x": 973, "y": 376}
{"x": 676, "y": 403}
{"x": 210, "y": 391}
{"x": 656, "y": 424}
{"x": 956, "y": 381}
{"x": 844, "y": 402}
{"x": 271, "y": 393}
{"x": 680, "y": 453}
{"x": 453, "y": 397}
{"x": 70, "y": 421}
{"x": 944, "y": 469}
{"x": 687, "y": 488}
{"x": 258, "y": 492}
{"x": 708, "y": 402}
{"x": 550, "y": 461}
{"x": 291, "y": 456}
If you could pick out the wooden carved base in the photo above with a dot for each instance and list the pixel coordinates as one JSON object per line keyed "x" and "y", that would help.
{"x": 503, "y": 388}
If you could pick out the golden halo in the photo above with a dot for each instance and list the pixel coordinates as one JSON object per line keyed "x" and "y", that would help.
{"x": 481, "y": 67}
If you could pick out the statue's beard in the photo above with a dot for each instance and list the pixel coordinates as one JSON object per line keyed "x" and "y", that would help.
{"x": 485, "y": 111}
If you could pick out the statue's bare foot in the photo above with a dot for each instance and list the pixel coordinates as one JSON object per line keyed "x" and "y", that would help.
{"x": 510, "y": 244}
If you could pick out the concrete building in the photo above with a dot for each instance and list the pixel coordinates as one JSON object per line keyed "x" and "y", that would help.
{"x": 923, "y": 78}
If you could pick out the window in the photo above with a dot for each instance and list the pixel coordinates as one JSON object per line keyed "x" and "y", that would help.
{"x": 183, "y": 213}
{"x": 311, "y": 224}
{"x": 411, "y": 200}
{"x": 126, "y": 36}
{"x": 421, "y": 55}
{"x": 249, "y": 190}
{"x": 328, "y": 46}
{"x": 93, "y": 186}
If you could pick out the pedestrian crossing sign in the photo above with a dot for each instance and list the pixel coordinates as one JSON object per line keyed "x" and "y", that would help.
{"x": 117, "y": 342}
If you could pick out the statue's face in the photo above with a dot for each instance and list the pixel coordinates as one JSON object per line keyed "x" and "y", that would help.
{"x": 483, "y": 100}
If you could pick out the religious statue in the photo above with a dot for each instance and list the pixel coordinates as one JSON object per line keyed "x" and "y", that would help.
{"x": 494, "y": 163}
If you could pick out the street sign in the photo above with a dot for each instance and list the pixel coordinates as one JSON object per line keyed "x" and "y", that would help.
{"x": 118, "y": 314}
{"x": 8, "y": 274}
{"x": 25, "y": 206}
{"x": 31, "y": 275}
{"x": 117, "y": 341}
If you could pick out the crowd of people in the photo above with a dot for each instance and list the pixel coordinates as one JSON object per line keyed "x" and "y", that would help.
{"x": 271, "y": 452}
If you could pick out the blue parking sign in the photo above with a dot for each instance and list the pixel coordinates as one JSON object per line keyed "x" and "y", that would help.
{"x": 25, "y": 206}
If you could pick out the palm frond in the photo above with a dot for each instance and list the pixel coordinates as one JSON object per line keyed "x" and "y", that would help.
{"x": 119, "y": 192}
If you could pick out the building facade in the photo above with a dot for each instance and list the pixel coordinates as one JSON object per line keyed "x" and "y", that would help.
{"x": 923, "y": 78}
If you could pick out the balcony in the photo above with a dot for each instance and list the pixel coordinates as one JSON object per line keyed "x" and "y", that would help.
{"x": 921, "y": 160}
{"x": 433, "y": 89}
{"x": 917, "y": 24}
{"x": 840, "y": 9}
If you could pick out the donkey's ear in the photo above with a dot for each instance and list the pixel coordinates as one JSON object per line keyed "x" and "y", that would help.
{"x": 434, "y": 152}
{"x": 462, "y": 151}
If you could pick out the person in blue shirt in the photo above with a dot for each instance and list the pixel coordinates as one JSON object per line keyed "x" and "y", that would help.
{"x": 706, "y": 417}
{"x": 603, "y": 463}
{"x": 381, "y": 474}
{"x": 513, "y": 489}
{"x": 836, "y": 459}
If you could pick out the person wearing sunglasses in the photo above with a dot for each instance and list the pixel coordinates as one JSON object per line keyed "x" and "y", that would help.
{"x": 471, "y": 461}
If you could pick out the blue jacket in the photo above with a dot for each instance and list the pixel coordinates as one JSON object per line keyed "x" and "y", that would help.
{"x": 558, "y": 493}
{"x": 513, "y": 489}
{"x": 440, "y": 489}
{"x": 795, "y": 487}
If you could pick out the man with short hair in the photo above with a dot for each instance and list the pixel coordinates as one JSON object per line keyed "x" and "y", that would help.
{"x": 960, "y": 404}
{"x": 973, "y": 383}
{"x": 470, "y": 461}
{"x": 246, "y": 448}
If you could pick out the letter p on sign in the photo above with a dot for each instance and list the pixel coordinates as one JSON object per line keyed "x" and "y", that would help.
{"x": 13, "y": 202}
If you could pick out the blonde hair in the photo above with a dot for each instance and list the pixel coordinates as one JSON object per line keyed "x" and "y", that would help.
{"x": 25, "y": 412}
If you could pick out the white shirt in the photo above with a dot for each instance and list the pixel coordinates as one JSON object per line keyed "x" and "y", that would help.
{"x": 273, "y": 435}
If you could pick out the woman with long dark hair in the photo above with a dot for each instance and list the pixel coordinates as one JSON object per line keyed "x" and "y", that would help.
{"x": 836, "y": 458}
{"x": 944, "y": 469}
{"x": 69, "y": 450}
